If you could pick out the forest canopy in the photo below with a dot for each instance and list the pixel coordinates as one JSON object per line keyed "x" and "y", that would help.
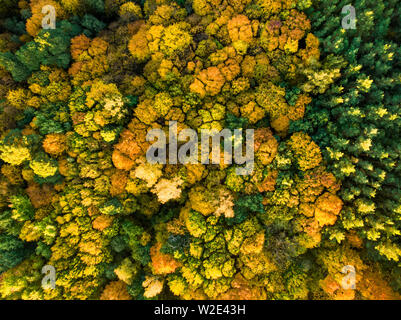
{"x": 77, "y": 192}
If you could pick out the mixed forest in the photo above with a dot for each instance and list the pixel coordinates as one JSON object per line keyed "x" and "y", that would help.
{"x": 78, "y": 194}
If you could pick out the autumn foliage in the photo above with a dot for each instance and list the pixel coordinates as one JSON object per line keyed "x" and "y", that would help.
{"x": 78, "y": 193}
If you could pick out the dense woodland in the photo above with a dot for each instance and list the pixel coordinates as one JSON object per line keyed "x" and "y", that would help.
{"x": 77, "y": 192}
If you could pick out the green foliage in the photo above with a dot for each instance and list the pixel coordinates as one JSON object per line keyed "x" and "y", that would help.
{"x": 12, "y": 252}
{"x": 50, "y": 47}
{"x": 133, "y": 236}
{"x": 22, "y": 208}
{"x": 233, "y": 122}
{"x": 245, "y": 206}
{"x": 358, "y": 119}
